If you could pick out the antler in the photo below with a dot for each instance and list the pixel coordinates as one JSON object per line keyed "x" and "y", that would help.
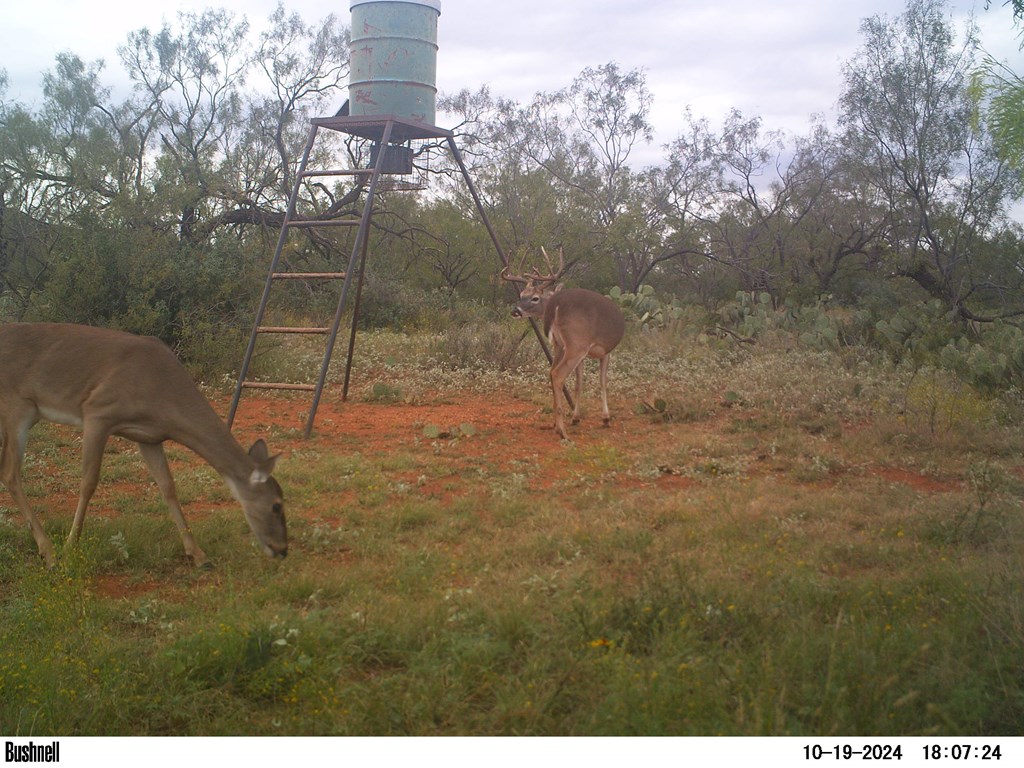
{"x": 535, "y": 276}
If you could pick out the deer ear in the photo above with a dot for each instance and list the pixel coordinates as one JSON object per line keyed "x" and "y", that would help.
{"x": 264, "y": 462}
{"x": 557, "y": 288}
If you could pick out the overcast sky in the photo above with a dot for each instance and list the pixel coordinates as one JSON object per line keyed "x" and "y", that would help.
{"x": 777, "y": 59}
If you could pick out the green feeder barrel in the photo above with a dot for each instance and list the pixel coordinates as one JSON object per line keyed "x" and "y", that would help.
{"x": 393, "y": 59}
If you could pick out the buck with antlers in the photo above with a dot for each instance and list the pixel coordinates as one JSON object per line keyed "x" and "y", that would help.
{"x": 112, "y": 383}
{"x": 578, "y": 323}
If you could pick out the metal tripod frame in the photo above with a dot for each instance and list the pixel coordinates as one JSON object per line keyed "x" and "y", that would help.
{"x": 385, "y": 130}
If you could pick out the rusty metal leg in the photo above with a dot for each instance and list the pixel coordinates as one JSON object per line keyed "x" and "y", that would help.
{"x": 355, "y": 320}
{"x": 501, "y": 253}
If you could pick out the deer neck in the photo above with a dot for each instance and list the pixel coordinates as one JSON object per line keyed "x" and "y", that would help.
{"x": 208, "y": 436}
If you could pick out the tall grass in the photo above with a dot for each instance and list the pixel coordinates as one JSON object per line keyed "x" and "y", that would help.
{"x": 739, "y": 561}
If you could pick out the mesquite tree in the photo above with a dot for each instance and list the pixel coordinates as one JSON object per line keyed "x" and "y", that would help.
{"x": 907, "y": 106}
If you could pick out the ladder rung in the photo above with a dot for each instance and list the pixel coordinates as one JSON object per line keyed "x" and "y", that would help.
{"x": 290, "y": 329}
{"x": 308, "y": 275}
{"x": 305, "y": 223}
{"x": 274, "y": 385}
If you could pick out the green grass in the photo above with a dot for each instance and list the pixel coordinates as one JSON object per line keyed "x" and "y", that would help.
{"x": 744, "y": 567}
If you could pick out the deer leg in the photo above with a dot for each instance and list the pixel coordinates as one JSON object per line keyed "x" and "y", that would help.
{"x": 156, "y": 460}
{"x": 560, "y": 371}
{"x": 10, "y": 472}
{"x": 579, "y": 394}
{"x": 606, "y": 415}
{"x": 94, "y": 439}
{"x": 557, "y": 356}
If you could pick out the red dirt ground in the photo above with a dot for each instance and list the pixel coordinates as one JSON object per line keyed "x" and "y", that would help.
{"x": 505, "y": 429}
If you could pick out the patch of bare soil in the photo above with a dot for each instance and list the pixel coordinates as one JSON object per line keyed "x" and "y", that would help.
{"x": 917, "y": 481}
{"x": 501, "y": 430}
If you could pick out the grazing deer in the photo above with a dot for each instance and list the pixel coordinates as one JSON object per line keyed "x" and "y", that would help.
{"x": 578, "y": 323}
{"x": 112, "y": 383}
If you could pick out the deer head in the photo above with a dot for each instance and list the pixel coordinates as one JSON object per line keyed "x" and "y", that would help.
{"x": 538, "y": 288}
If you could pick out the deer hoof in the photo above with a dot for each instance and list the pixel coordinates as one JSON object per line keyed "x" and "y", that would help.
{"x": 607, "y": 422}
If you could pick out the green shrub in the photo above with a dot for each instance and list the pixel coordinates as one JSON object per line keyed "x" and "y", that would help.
{"x": 387, "y": 302}
{"x": 646, "y": 309}
{"x": 992, "y": 362}
{"x": 500, "y": 345}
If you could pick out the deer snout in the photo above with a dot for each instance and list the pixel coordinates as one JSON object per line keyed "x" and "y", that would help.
{"x": 278, "y": 552}
{"x": 517, "y": 312}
